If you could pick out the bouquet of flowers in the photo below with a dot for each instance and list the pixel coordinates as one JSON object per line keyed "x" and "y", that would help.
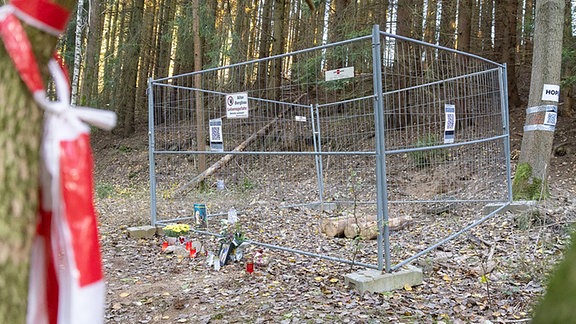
{"x": 176, "y": 230}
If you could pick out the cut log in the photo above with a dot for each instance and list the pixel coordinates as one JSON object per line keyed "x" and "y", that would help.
{"x": 369, "y": 230}
{"x": 335, "y": 227}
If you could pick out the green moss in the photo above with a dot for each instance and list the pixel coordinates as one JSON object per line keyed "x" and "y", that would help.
{"x": 527, "y": 187}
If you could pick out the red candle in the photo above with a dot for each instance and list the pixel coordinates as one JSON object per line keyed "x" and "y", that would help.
{"x": 164, "y": 245}
{"x": 188, "y": 246}
{"x": 250, "y": 267}
{"x": 192, "y": 252}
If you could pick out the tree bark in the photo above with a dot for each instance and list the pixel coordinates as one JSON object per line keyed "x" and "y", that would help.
{"x": 486, "y": 28}
{"x": 89, "y": 92}
{"x": 198, "y": 102}
{"x": 278, "y": 46}
{"x": 464, "y": 25}
{"x": 129, "y": 74}
{"x": 77, "y": 54}
{"x": 536, "y": 147}
{"x": 21, "y": 128}
{"x": 447, "y": 23}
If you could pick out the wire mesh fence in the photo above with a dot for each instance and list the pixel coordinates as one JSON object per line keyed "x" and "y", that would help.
{"x": 380, "y": 126}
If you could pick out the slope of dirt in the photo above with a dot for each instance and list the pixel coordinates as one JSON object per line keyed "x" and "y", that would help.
{"x": 494, "y": 273}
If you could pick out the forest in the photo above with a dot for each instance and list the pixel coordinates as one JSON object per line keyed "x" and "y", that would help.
{"x": 114, "y": 47}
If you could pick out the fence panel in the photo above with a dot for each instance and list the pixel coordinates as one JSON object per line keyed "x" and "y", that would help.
{"x": 381, "y": 126}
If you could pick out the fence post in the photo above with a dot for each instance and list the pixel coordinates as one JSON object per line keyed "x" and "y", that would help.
{"x": 317, "y": 139}
{"x": 381, "y": 190}
{"x": 151, "y": 148}
{"x": 502, "y": 77}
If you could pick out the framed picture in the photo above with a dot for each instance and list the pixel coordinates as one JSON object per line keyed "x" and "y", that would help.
{"x": 223, "y": 253}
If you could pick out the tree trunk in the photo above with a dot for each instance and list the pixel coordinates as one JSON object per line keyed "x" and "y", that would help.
{"x": 110, "y": 54}
{"x": 528, "y": 32}
{"x": 505, "y": 44}
{"x": 146, "y": 58}
{"x": 530, "y": 180}
{"x": 89, "y": 93}
{"x": 486, "y": 29}
{"x": 278, "y": 46}
{"x": 567, "y": 109}
{"x": 264, "y": 48}
{"x": 77, "y": 54}
{"x": 430, "y": 22}
{"x": 464, "y": 25}
{"x": 198, "y": 102}
{"x": 447, "y": 23}
{"x": 131, "y": 56}
{"x": 21, "y": 128}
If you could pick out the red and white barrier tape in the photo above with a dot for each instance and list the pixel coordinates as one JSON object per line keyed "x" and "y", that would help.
{"x": 66, "y": 280}
{"x": 42, "y": 14}
{"x": 19, "y": 48}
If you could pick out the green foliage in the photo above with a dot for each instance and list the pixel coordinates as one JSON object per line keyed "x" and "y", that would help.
{"x": 558, "y": 303}
{"x": 527, "y": 187}
{"x": 306, "y": 71}
{"x": 104, "y": 190}
{"x": 124, "y": 149}
{"x": 248, "y": 184}
{"x": 569, "y": 63}
{"x": 425, "y": 158}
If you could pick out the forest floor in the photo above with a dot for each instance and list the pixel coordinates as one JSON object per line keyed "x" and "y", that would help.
{"x": 495, "y": 275}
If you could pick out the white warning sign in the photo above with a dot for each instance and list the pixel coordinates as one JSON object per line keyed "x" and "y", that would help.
{"x": 551, "y": 92}
{"x": 237, "y": 105}
{"x": 342, "y": 73}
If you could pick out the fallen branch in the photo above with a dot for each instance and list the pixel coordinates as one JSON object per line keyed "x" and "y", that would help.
{"x": 224, "y": 160}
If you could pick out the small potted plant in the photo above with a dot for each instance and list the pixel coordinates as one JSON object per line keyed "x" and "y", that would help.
{"x": 175, "y": 233}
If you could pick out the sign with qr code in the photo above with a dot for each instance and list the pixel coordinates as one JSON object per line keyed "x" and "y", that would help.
{"x": 450, "y": 123}
{"x": 237, "y": 105}
{"x": 551, "y": 116}
{"x": 216, "y": 142}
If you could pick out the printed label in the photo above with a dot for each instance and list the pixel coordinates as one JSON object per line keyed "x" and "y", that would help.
{"x": 338, "y": 74}
{"x": 551, "y": 92}
{"x": 216, "y": 142}
{"x": 237, "y": 105}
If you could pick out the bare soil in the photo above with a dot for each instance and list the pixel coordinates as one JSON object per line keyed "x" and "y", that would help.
{"x": 496, "y": 274}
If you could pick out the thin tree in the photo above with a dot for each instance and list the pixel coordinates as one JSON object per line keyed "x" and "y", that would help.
{"x": 21, "y": 127}
{"x": 530, "y": 181}
{"x": 89, "y": 93}
{"x": 79, "y": 30}
{"x": 199, "y": 101}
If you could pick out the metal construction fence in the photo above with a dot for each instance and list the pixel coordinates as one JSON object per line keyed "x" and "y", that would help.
{"x": 381, "y": 126}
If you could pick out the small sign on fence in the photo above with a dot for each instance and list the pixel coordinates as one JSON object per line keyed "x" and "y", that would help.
{"x": 338, "y": 74}
{"x": 450, "y": 124}
{"x": 237, "y": 105}
{"x": 216, "y": 142}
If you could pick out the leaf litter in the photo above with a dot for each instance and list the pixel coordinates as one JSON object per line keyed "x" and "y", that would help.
{"x": 490, "y": 275}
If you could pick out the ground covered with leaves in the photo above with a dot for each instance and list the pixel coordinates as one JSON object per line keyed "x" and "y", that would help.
{"x": 495, "y": 273}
